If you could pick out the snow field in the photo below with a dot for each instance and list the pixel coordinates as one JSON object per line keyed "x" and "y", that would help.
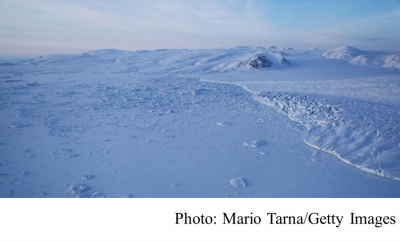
{"x": 115, "y": 123}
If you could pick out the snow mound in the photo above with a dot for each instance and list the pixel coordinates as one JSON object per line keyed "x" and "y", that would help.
{"x": 345, "y": 52}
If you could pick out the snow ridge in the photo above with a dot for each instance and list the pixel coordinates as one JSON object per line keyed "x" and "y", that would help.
{"x": 165, "y": 61}
{"x": 370, "y": 143}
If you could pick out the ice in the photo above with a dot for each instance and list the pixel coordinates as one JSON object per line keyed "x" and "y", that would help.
{"x": 237, "y": 182}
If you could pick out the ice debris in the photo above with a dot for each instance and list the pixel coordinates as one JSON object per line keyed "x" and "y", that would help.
{"x": 238, "y": 182}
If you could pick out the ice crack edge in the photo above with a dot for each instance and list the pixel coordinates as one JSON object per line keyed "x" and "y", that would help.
{"x": 365, "y": 142}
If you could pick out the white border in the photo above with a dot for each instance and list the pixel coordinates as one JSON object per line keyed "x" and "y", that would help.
{"x": 154, "y": 219}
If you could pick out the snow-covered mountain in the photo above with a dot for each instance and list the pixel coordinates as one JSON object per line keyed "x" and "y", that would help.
{"x": 364, "y": 57}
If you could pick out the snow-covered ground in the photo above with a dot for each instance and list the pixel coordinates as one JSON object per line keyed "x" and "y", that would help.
{"x": 199, "y": 123}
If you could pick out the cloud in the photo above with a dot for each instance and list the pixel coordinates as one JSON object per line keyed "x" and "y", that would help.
{"x": 142, "y": 23}
{"x": 153, "y": 24}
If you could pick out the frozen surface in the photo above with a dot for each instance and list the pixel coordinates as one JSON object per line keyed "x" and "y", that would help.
{"x": 199, "y": 123}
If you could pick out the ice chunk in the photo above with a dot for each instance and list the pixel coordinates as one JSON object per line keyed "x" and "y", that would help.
{"x": 238, "y": 182}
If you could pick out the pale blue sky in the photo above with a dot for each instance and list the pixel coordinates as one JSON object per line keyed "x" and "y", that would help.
{"x": 74, "y": 26}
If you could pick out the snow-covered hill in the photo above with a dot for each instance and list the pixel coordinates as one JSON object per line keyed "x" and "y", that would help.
{"x": 345, "y": 52}
{"x": 392, "y": 61}
{"x": 258, "y": 60}
{"x": 172, "y": 61}
{"x": 364, "y": 58}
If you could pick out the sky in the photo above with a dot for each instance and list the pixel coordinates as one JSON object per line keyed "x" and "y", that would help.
{"x": 41, "y": 27}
